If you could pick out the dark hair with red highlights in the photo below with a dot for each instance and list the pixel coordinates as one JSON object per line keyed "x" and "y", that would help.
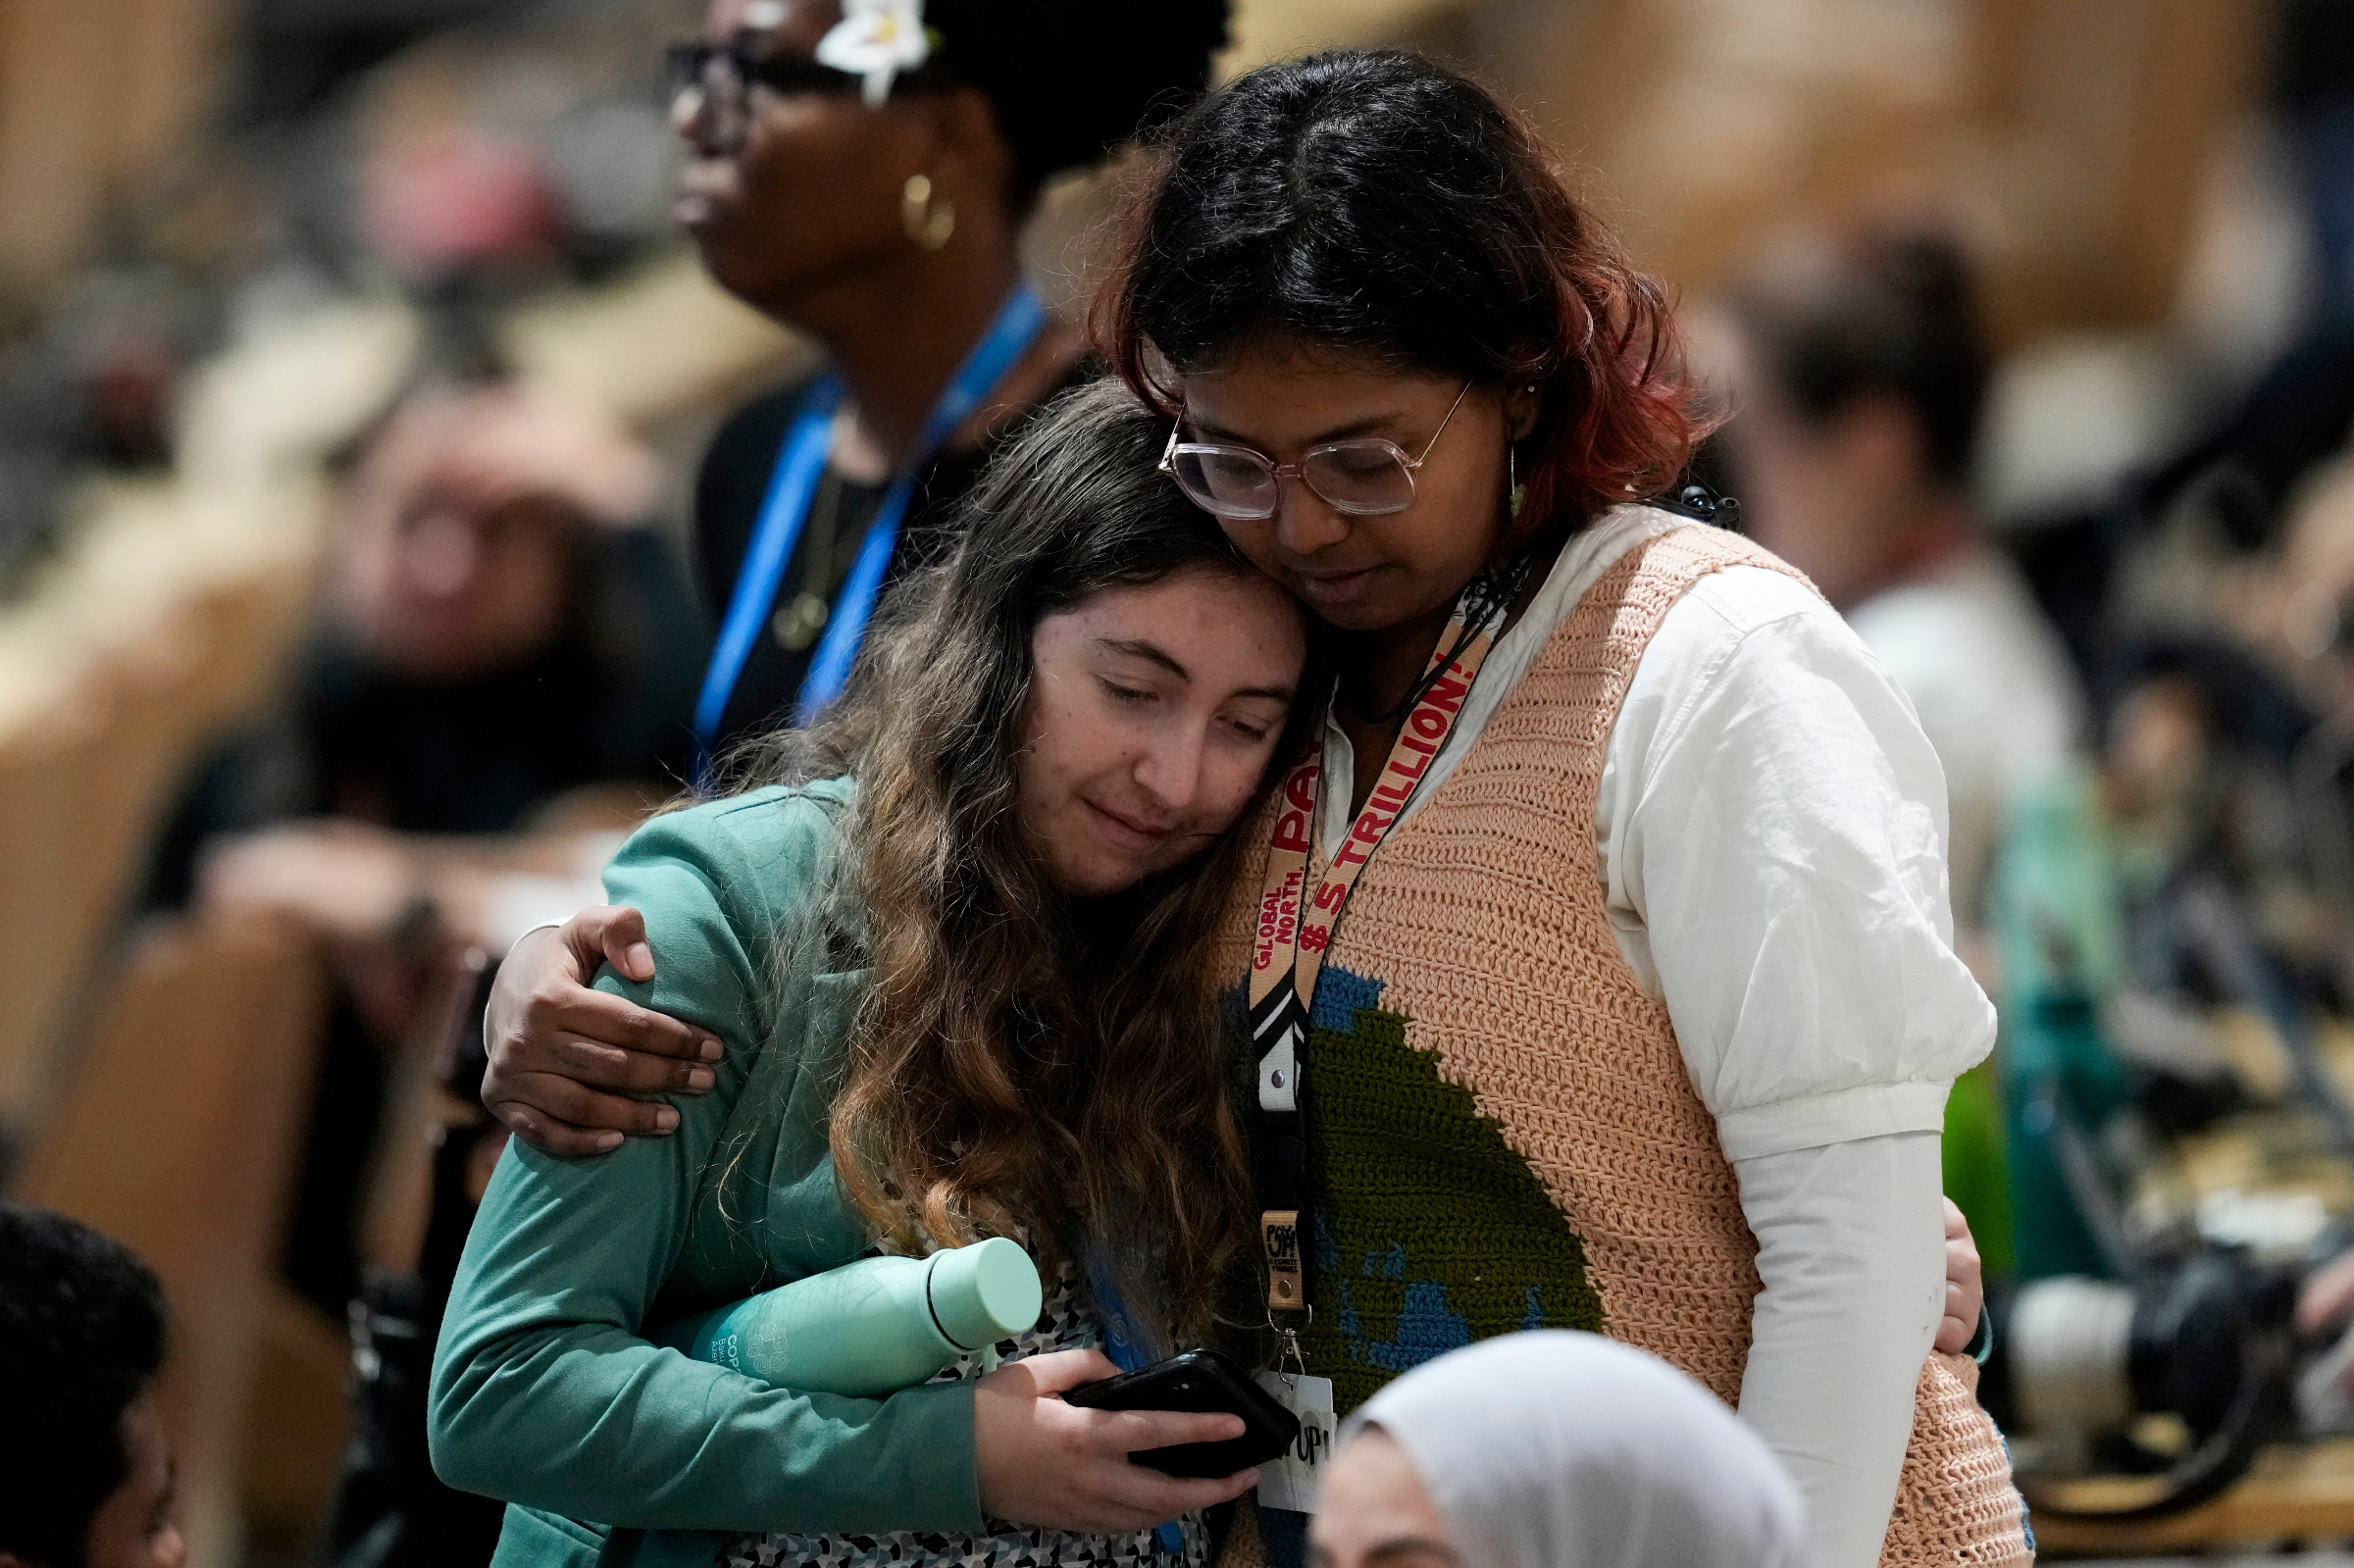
{"x": 1377, "y": 203}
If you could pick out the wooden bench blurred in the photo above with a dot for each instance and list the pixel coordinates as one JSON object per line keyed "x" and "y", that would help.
{"x": 114, "y": 681}
{"x": 155, "y": 1087}
{"x": 178, "y": 1135}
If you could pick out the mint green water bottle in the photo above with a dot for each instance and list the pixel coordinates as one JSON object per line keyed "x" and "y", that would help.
{"x": 872, "y": 1327}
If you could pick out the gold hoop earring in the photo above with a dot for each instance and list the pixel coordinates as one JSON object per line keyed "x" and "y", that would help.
{"x": 928, "y": 221}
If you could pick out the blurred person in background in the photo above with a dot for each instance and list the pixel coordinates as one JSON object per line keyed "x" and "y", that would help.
{"x": 1494, "y": 1457}
{"x": 1858, "y": 365}
{"x": 863, "y": 174}
{"x": 85, "y": 1469}
{"x": 498, "y": 689}
{"x": 875, "y": 201}
{"x": 1859, "y": 370}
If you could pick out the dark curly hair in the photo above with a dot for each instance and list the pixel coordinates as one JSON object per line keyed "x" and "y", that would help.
{"x": 81, "y": 1333}
{"x": 1381, "y": 204}
{"x": 1070, "y": 80}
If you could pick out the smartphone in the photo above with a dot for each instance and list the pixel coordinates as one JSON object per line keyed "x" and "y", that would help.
{"x": 1198, "y": 1381}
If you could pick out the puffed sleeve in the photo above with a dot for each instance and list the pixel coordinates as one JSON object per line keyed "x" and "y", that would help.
{"x": 1773, "y": 837}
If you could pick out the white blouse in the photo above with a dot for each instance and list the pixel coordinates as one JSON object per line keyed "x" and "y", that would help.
{"x": 1772, "y": 830}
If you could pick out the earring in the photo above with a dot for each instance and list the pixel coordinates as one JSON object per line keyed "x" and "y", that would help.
{"x": 1514, "y": 490}
{"x": 929, "y": 222}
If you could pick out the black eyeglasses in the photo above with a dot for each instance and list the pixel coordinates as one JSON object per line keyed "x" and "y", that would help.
{"x": 723, "y": 70}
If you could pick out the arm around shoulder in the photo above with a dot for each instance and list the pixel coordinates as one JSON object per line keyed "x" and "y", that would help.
{"x": 544, "y": 1392}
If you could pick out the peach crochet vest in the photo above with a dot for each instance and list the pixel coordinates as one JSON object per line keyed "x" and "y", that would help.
{"x": 1479, "y": 941}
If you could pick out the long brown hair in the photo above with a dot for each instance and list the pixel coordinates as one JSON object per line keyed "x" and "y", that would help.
{"x": 1026, "y": 1064}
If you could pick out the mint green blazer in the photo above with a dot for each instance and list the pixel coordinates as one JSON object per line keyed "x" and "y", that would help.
{"x": 545, "y": 1391}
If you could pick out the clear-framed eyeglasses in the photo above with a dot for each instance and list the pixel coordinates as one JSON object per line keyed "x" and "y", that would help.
{"x": 1364, "y": 477}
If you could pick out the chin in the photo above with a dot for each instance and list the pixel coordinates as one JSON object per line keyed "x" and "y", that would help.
{"x": 1358, "y": 617}
{"x": 1100, "y": 879}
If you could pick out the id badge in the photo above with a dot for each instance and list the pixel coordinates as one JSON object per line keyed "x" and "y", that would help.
{"x": 1289, "y": 1480}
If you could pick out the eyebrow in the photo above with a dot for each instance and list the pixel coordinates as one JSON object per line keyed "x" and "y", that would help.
{"x": 1138, "y": 648}
{"x": 1337, "y": 432}
{"x": 1399, "y": 1547}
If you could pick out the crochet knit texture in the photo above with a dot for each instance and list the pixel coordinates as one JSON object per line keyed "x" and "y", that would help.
{"x": 1503, "y": 1131}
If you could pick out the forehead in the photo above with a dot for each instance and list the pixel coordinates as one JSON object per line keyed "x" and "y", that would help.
{"x": 1229, "y": 630}
{"x": 1277, "y": 386}
{"x": 1208, "y": 600}
{"x": 787, "y": 25}
{"x": 1374, "y": 1497}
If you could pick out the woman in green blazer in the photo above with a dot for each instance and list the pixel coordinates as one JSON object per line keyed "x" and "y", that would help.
{"x": 953, "y": 945}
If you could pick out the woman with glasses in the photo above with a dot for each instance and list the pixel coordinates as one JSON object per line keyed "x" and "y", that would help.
{"x": 1594, "y": 970}
{"x": 862, "y": 172}
{"x": 1598, "y": 962}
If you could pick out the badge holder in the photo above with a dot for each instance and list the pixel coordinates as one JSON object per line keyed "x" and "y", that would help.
{"x": 1290, "y": 1480}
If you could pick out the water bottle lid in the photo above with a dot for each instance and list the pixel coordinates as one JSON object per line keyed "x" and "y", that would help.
{"x": 984, "y": 1292}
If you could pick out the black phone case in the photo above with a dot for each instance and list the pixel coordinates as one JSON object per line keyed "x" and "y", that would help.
{"x": 1197, "y": 1381}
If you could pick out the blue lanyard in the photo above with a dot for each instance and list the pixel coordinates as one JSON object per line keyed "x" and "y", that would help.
{"x": 792, "y": 486}
{"x": 1120, "y": 1335}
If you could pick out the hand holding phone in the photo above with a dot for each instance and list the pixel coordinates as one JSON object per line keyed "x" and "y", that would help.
{"x": 1042, "y": 1462}
{"x": 1196, "y": 1381}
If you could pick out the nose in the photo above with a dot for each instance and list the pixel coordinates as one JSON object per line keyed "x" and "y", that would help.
{"x": 442, "y": 556}
{"x": 1305, "y": 522}
{"x": 705, "y": 116}
{"x": 690, "y": 110}
{"x": 1169, "y": 769}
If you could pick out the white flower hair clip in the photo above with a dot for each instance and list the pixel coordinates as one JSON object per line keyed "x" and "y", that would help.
{"x": 877, "y": 39}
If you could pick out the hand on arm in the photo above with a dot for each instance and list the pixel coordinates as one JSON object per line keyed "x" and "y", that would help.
{"x": 1042, "y": 1462}
{"x": 1965, "y": 1285}
{"x": 567, "y": 1061}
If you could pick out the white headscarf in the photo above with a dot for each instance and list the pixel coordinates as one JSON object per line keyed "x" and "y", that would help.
{"x": 1559, "y": 1449}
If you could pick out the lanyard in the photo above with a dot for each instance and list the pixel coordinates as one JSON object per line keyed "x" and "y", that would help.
{"x": 793, "y": 487}
{"x": 1121, "y": 1340}
{"x": 1293, "y": 931}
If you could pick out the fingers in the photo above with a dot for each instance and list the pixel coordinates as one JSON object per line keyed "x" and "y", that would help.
{"x": 1061, "y": 1369}
{"x": 612, "y": 933}
{"x": 2327, "y": 1296}
{"x": 1957, "y": 1224}
{"x": 554, "y": 1097}
{"x": 561, "y": 1005}
{"x": 1133, "y": 1430}
{"x": 1143, "y": 1497}
{"x": 1960, "y": 1325}
{"x": 551, "y": 1137}
{"x": 601, "y": 1066}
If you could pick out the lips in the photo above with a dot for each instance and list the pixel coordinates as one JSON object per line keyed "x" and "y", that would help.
{"x": 1334, "y": 588}
{"x": 704, "y": 188}
{"x": 1126, "y": 831}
